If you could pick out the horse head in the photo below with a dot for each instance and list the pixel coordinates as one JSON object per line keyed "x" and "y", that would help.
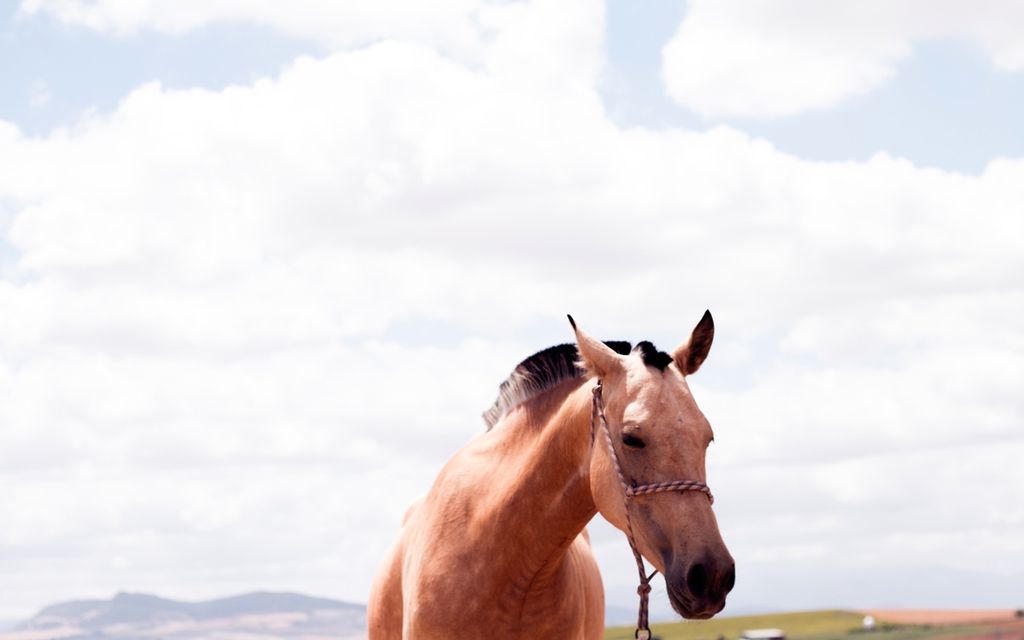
{"x": 659, "y": 434}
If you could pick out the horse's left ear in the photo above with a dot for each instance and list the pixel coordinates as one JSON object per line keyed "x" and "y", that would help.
{"x": 691, "y": 354}
{"x": 595, "y": 356}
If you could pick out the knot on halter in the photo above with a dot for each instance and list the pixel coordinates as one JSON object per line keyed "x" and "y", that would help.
{"x": 643, "y": 590}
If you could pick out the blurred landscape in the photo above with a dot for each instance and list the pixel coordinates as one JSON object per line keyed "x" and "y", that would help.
{"x": 293, "y": 616}
{"x": 891, "y": 624}
{"x": 253, "y": 616}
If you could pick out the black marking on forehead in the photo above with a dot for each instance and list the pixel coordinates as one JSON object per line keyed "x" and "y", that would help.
{"x": 651, "y": 356}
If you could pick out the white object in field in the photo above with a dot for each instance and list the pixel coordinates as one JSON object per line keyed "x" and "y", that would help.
{"x": 869, "y": 623}
{"x": 763, "y": 634}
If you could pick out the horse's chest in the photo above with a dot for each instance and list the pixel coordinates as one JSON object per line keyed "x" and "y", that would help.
{"x": 460, "y": 596}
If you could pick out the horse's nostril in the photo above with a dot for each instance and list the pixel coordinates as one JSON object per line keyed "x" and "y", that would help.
{"x": 697, "y": 580}
{"x": 730, "y": 578}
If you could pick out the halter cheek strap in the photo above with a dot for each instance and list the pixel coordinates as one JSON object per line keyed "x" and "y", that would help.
{"x": 631, "y": 490}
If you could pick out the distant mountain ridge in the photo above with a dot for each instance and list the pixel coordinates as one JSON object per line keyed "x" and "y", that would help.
{"x": 261, "y": 614}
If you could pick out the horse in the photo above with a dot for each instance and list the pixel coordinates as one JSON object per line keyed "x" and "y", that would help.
{"x": 498, "y": 547}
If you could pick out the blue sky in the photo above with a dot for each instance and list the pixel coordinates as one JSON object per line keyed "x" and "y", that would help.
{"x": 206, "y": 295}
{"x": 82, "y": 71}
{"x": 948, "y": 108}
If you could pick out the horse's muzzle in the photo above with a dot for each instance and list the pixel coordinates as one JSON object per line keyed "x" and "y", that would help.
{"x": 698, "y": 590}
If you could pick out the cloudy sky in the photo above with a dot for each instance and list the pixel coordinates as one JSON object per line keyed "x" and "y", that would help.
{"x": 262, "y": 266}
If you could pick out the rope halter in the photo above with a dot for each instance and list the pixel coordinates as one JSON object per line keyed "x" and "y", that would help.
{"x": 631, "y": 490}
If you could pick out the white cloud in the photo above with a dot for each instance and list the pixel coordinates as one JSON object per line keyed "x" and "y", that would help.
{"x": 537, "y": 41}
{"x": 769, "y": 58}
{"x": 454, "y": 24}
{"x": 209, "y": 367}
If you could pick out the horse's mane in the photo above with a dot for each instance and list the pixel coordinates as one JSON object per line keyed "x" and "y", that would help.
{"x": 537, "y": 374}
{"x": 553, "y": 365}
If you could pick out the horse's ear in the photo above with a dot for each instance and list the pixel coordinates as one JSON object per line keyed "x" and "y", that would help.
{"x": 691, "y": 354}
{"x": 597, "y": 357}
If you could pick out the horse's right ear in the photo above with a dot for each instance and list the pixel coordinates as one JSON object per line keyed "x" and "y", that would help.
{"x": 595, "y": 356}
{"x": 691, "y": 354}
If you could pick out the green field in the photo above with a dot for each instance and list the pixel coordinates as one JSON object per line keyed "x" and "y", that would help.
{"x": 805, "y": 625}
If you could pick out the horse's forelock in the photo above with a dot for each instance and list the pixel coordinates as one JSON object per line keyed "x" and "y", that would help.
{"x": 651, "y": 356}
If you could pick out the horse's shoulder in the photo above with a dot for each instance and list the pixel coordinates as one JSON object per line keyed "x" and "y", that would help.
{"x": 412, "y": 509}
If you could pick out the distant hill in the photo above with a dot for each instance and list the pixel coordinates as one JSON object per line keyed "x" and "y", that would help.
{"x": 263, "y": 615}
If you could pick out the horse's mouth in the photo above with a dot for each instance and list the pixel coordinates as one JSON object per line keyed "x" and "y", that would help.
{"x": 689, "y": 608}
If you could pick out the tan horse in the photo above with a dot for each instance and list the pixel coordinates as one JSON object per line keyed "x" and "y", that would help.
{"x": 498, "y": 547}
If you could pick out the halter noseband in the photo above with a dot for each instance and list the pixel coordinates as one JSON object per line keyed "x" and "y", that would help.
{"x": 629, "y": 491}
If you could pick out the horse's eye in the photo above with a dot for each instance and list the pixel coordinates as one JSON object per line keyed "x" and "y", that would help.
{"x": 630, "y": 440}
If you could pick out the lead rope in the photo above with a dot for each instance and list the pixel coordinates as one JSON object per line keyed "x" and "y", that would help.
{"x": 630, "y": 490}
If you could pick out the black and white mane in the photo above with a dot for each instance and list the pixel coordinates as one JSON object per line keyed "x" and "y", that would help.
{"x": 553, "y": 365}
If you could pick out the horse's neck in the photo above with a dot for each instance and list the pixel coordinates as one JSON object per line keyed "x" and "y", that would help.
{"x": 545, "y": 498}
